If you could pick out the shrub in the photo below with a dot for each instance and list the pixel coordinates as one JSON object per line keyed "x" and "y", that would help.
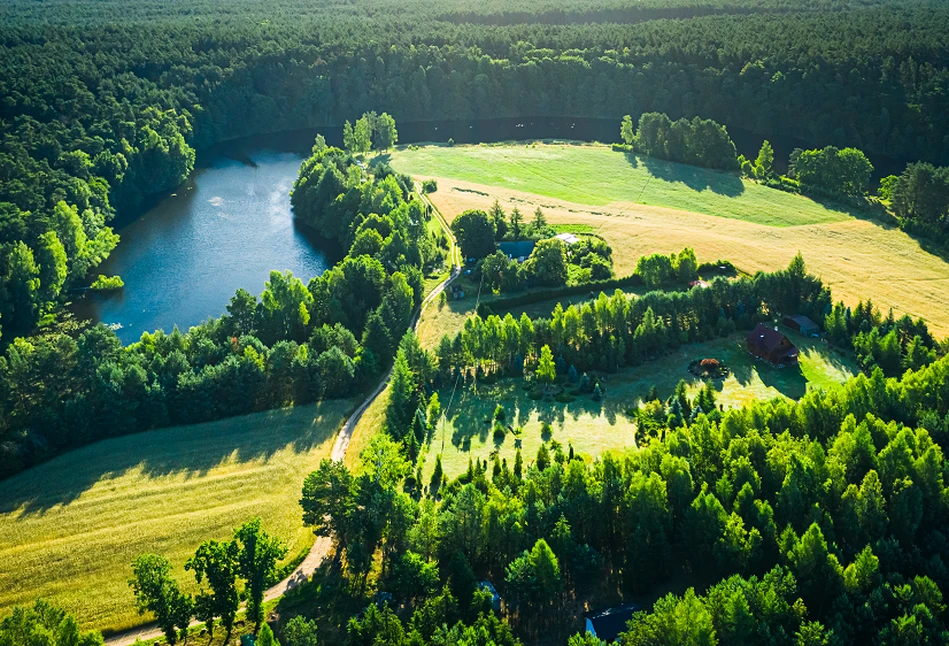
{"x": 499, "y": 412}
{"x": 499, "y": 431}
{"x": 105, "y": 283}
{"x": 429, "y": 186}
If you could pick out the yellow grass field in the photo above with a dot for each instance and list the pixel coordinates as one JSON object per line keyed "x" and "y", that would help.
{"x": 856, "y": 258}
{"x": 70, "y": 528}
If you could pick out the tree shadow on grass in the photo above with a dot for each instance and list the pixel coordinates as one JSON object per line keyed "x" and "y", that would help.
{"x": 473, "y": 409}
{"x": 787, "y": 380}
{"x": 191, "y": 451}
{"x": 695, "y": 178}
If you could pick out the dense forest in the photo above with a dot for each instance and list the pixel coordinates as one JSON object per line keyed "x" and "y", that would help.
{"x": 814, "y": 522}
{"x": 103, "y": 107}
{"x": 820, "y": 521}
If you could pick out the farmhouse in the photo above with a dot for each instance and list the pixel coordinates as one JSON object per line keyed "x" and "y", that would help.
{"x": 518, "y": 251}
{"x": 765, "y": 342}
{"x": 801, "y": 324}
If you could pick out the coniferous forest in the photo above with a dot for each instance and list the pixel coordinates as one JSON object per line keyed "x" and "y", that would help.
{"x": 820, "y": 521}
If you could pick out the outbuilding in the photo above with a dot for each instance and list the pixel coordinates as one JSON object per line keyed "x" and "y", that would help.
{"x": 519, "y": 250}
{"x": 802, "y": 324}
{"x": 766, "y": 342}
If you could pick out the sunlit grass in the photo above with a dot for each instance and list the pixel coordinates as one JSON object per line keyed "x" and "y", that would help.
{"x": 597, "y": 176}
{"x": 70, "y": 528}
{"x": 856, "y": 257}
{"x": 593, "y": 428}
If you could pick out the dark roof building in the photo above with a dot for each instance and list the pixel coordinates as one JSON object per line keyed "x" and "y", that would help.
{"x": 518, "y": 250}
{"x": 608, "y": 624}
{"x": 801, "y": 324}
{"x": 765, "y": 342}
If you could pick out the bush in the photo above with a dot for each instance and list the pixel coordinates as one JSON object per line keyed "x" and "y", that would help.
{"x": 106, "y": 283}
{"x": 499, "y": 431}
{"x": 451, "y": 141}
{"x": 429, "y": 186}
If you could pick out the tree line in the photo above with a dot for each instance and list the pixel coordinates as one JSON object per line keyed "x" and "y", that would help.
{"x": 697, "y": 142}
{"x": 610, "y": 332}
{"x": 295, "y": 343}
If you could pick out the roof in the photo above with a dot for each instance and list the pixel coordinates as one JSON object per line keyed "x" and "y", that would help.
{"x": 609, "y": 623}
{"x": 803, "y": 322}
{"x": 567, "y": 238}
{"x": 517, "y": 249}
{"x": 766, "y": 337}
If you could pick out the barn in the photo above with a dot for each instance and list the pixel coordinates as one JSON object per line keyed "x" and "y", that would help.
{"x": 766, "y": 342}
{"x": 802, "y": 324}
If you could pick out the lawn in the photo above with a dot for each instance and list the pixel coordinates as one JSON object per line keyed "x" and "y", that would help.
{"x": 70, "y": 528}
{"x": 596, "y": 427}
{"x": 597, "y": 176}
{"x": 856, "y": 257}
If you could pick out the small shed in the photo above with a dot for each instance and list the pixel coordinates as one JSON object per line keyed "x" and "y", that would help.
{"x": 567, "y": 238}
{"x": 608, "y": 624}
{"x": 704, "y": 284}
{"x": 457, "y": 292}
{"x": 519, "y": 250}
{"x": 802, "y": 324}
{"x": 766, "y": 342}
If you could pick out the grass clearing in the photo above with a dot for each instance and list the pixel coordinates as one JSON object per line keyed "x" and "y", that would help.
{"x": 70, "y": 528}
{"x": 597, "y": 176}
{"x": 596, "y": 427}
{"x": 856, "y": 258}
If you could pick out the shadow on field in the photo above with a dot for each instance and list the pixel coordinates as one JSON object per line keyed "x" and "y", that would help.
{"x": 472, "y": 414}
{"x": 188, "y": 451}
{"x": 697, "y": 179}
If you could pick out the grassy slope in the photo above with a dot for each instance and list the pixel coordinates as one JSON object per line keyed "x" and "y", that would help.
{"x": 857, "y": 258}
{"x": 598, "y": 176}
{"x": 70, "y": 528}
{"x": 593, "y": 427}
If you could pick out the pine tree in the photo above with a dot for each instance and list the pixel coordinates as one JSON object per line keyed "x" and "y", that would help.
{"x": 517, "y": 220}
{"x": 765, "y": 161}
{"x": 499, "y": 219}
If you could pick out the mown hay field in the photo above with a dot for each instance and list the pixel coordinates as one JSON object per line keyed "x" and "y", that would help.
{"x": 70, "y": 528}
{"x": 640, "y": 210}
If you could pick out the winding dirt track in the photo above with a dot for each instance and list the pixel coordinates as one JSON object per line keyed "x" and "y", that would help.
{"x": 321, "y": 548}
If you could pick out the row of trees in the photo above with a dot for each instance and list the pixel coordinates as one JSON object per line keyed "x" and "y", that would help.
{"x": 294, "y": 343}
{"x": 697, "y": 142}
{"x": 615, "y": 331}
{"x": 372, "y": 132}
{"x": 251, "y": 557}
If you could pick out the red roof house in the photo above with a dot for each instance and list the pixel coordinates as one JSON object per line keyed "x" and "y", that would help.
{"x": 765, "y": 342}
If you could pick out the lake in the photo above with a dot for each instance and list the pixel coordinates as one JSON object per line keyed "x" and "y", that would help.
{"x": 226, "y": 228}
